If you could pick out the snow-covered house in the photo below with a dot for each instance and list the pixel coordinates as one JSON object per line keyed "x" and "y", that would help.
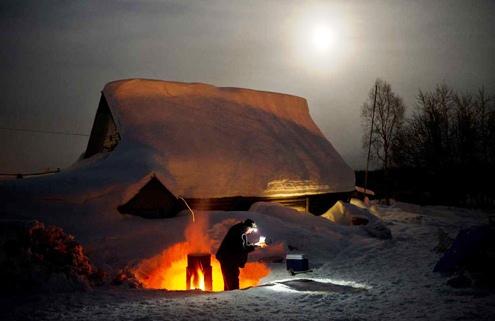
{"x": 156, "y": 145}
{"x": 218, "y": 148}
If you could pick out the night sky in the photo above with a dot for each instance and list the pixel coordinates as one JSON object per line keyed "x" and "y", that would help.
{"x": 56, "y": 56}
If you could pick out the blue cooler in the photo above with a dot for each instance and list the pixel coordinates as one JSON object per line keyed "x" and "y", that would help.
{"x": 297, "y": 262}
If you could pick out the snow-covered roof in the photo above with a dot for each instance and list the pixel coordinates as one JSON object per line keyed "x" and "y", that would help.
{"x": 204, "y": 141}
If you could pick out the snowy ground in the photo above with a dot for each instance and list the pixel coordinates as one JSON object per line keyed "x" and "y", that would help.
{"x": 383, "y": 279}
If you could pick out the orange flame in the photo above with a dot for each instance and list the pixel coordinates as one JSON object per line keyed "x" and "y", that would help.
{"x": 198, "y": 281}
{"x": 167, "y": 270}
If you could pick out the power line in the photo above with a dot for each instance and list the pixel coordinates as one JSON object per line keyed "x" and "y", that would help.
{"x": 21, "y": 175}
{"x": 43, "y": 131}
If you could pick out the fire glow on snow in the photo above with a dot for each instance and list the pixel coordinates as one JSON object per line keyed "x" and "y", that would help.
{"x": 168, "y": 269}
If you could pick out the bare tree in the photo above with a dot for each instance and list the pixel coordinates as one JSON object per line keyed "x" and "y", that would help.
{"x": 435, "y": 110}
{"x": 466, "y": 132}
{"x": 426, "y": 140}
{"x": 482, "y": 102}
{"x": 385, "y": 110}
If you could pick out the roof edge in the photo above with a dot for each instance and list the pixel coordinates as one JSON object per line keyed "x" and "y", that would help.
{"x": 202, "y": 84}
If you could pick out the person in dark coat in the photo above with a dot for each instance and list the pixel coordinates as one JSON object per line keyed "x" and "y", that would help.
{"x": 233, "y": 252}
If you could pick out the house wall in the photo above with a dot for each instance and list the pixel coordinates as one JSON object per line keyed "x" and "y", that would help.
{"x": 104, "y": 135}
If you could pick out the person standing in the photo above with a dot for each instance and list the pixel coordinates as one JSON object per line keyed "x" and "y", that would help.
{"x": 233, "y": 252}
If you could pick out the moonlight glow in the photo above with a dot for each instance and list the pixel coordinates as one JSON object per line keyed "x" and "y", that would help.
{"x": 322, "y": 38}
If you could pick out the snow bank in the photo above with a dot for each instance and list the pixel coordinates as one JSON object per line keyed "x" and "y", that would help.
{"x": 357, "y": 213}
{"x": 397, "y": 274}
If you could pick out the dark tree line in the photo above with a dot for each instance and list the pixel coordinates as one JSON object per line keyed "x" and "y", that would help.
{"x": 445, "y": 150}
{"x": 448, "y": 130}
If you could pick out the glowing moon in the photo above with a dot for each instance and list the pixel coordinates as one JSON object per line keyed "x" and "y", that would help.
{"x": 323, "y": 41}
{"x": 322, "y": 38}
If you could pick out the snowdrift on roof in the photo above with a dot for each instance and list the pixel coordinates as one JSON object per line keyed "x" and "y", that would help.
{"x": 209, "y": 142}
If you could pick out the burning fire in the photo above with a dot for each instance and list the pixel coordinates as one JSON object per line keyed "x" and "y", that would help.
{"x": 198, "y": 281}
{"x": 168, "y": 269}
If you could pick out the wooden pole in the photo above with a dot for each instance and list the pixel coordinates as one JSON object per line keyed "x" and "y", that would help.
{"x": 369, "y": 145}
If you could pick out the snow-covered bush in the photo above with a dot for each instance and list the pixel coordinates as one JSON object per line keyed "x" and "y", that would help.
{"x": 35, "y": 257}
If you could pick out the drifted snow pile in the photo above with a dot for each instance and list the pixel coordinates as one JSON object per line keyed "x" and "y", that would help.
{"x": 357, "y": 213}
{"x": 35, "y": 257}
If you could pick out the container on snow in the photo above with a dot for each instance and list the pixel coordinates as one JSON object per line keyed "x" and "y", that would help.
{"x": 297, "y": 262}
